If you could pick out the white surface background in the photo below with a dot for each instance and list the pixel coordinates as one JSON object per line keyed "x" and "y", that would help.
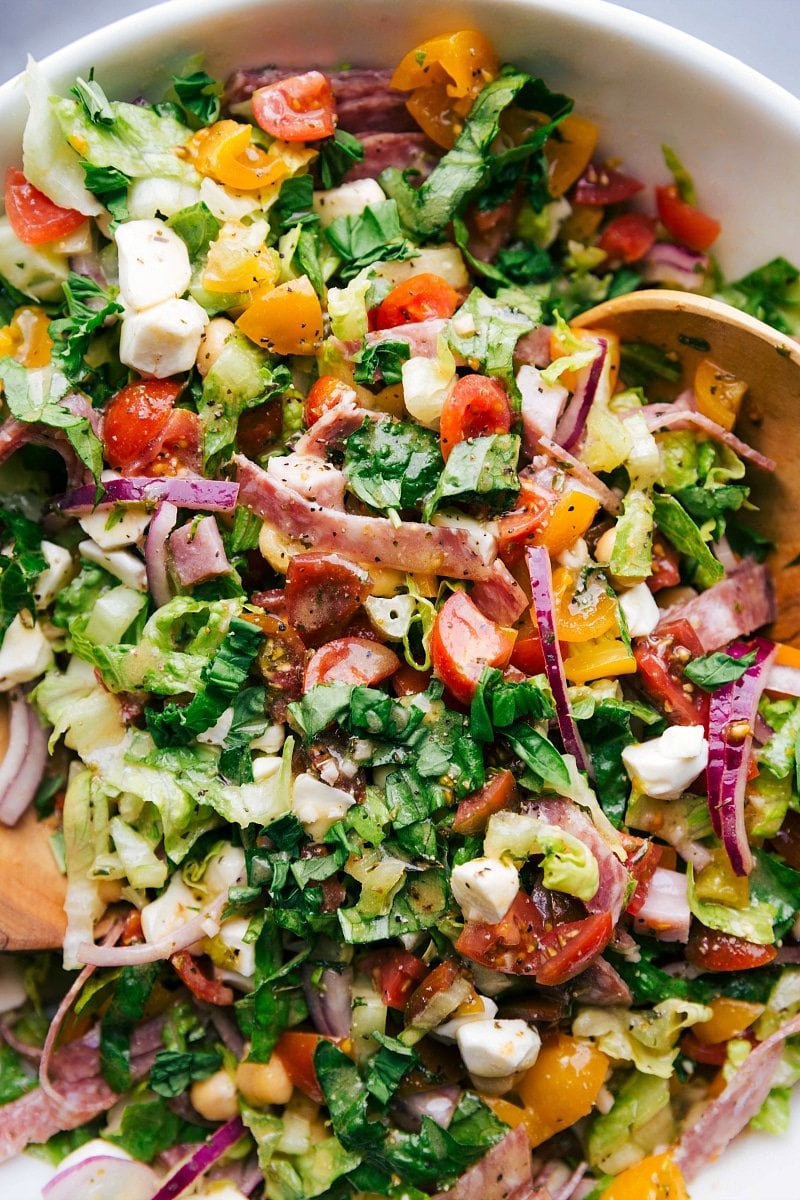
{"x": 763, "y": 33}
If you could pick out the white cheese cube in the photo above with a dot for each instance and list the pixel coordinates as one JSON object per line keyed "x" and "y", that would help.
{"x": 664, "y": 767}
{"x": 450, "y": 1028}
{"x": 113, "y": 528}
{"x": 163, "y": 340}
{"x": 123, "y": 565}
{"x": 25, "y": 653}
{"x": 640, "y": 610}
{"x": 493, "y": 1049}
{"x": 349, "y": 200}
{"x": 176, "y": 905}
{"x": 317, "y": 806}
{"x": 485, "y": 888}
{"x": 271, "y": 740}
{"x": 153, "y": 263}
{"x": 56, "y": 575}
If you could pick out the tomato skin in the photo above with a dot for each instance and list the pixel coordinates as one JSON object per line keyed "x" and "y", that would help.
{"x": 716, "y": 951}
{"x": 643, "y": 858}
{"x": 408, "y": 681}
{"x": 571, "y": 947}
{"x": 281, "y": 661}
{"x": 395, "y": 973}
{"x": 683, "y": 221}
{"x": 135, "y": 417}
{"x": 497, "y": 794}
{"x": 210, "y": 990}
{"x": 296, "y": 1051}
{"x": 178, "y": 445}
{"x": 440, "y": 979}
{"x": 463, "y": 642}
{"x": 420, "y": 298}
{"x": 665, "y": 566}
{"x": 34, "y": 218}
{"x": 351, "y": 660}
{"x": 660, "y": 659}
{"x": 323, "y": 593}
{"x": 513, "y": 945}
{"x": 323, "y": 395}
{"x": 628, "y": 237}
{"x": 259, "y": 427}
{"x": 710, "y": 1056}
{"x": 301, "y": 108}
{"x": 476, "y": 406}
{"x": 605, "y": 185}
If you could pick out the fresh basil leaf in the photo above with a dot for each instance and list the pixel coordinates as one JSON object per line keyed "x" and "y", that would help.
{"x": 381, "y": 363}
{"x": 776, "y": 884}
{"x": 196, "y": 226}
{"x": 249, "y": 722}
{"x": 538, "y": 753}
{"x": 713, "y": 670}
{"x": 650, "y": 985}
{"x": 149, "y": 1128}
{"x": 708, "y": 503}
{"x": 676, "y": 524}
{"x": 497, "y": 704}
{"x": 373, "y": 235}
{"x": 199, "y": 98}
{"x": 479, "y": 471}
{"x": 337, "y": 155}
{"x": 173, "y": 1071}
{"x": 295, "y": 204}
{"x": 111, "y": 188}
{"x": 392, "y": 464}
{"x": 496, "y": 326}
{"x": 15, "y": 1080}
{"x": 20, "y": 566}
{"x": 131, "y": 993}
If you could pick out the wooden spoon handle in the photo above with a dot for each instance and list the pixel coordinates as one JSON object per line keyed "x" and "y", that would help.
{"x": 32, "y": 888}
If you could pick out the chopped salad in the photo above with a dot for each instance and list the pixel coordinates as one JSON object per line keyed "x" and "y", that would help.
{"x": 384, "y": 652}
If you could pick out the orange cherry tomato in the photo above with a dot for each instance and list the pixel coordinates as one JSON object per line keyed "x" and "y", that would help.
{"x": 568, "y": 152}
{"x": 296, "y": 1051}
{"x": 34, "y": 218}
{"x": 301, "y": 108}
{"x": 224, "y": 151}
{"x": 476, "y": 406}
{"x": 408, "y": 681}
{"x": 561, "y": 1086}
{"x": 323, "y": 395}
{"x": 594, "y": 615}
{"x": 463, "y": 642}
{"x": 496, "y": 795}
{"x": 357, "y": 660}
{"x": 135, "y": 417}
{"x": 654, "y": 1178}
{"x": 286, "y": 319}
{"x": 683, "y": 221}
{"x": 420, "y": 298}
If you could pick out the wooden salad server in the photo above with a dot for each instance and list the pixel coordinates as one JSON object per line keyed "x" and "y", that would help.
{"x": 692, "y": 328}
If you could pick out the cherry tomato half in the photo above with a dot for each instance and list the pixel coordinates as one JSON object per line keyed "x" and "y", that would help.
{"x": 605, "y": 185}
{"x": 34, "y": 217}
{"x": 496, "y": 795}
{"x": 512, "y": 945}
{"x": 463, "y": 642}
{"x": 628, "y": 237}
{"x": 301, "y": 108}
{"x": 323, "y": 395}
{"x": 395, "y": 973}
{"x": 716, "y": 951}
{"x": 660, "y": 661}
{"x": 476, "y": 406}
{"x": 296, "y": 1051}
{"x": 209, "y": 990}
{"x": 420, "y": 298}
{"x": 135, "y": 417}
{"x": 351, "y": 660}
{"x": 569, "y": 948}
{"x": 686, "y": 223}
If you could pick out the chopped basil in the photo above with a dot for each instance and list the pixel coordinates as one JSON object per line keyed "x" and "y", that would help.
{"x": 480, "y": 470}
{"x": 381, "y": 363}
{"x": 392, "y": 464}
{"x": 714, "y": 670}
{"x": 676, "y": 524}
{"x": 374, "y": 235}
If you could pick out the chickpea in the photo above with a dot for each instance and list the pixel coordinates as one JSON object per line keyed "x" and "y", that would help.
{"x": 216, "y": 1098}
{"x": 264, "y": 1083}
{"x": 212, "y": 343}
{"x": 605, "y": 545}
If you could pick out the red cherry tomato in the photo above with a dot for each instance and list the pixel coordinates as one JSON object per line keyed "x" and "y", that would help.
{"x": 210, "y": 990}
{"x": 643, "y": 858}
{"x": 665, "y": 566}
{"x": 436, "y": 981}
{"x": 408, "y": 681}
{"x": 351, "y": 660}
{"x": 660, "y": 660}
{"x": 604, "y": 185}
{"x": 569, "y": 948}
{"x": 296, "y": 1051}
{"x": 323, "y": 395}
{"x": 512, "y": 945}
{"x": 686, "y": 223}
{"x": 714, "y": 1055}
{"x": 395, "y": 973}
{"x": 417, "y": 299}
{"x": 178, "y": 446}
{"x": 301, "y": 108}
{"x": 628, "y": 237}
{"x": 476, "y": 406}
{"x": 323, "y": 593}
{"x": 463, "y": 642}
{"x": 281, "y": 659}
{"x": 715, "y": 951}
{"x": 34, "y": 217}
{"x": 496, "y": 795}
{"x": 135, "y": 417}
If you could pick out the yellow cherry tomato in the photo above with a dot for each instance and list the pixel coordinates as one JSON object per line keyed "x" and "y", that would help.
{"x": 561, "y": 1086}
{"x": 718, "y": 394}
{"x": 731, "y": 1018}
{"x": 224, "y": 151}
{"x": 591, "y": 615}
{"x": 26, "y": 337}
{"x": 569, "y": 151}
{"x": 655, "y": 1178}
{"x": 237, "y": 263}
{"x": 569, "y": 520}
{"x": 285, "y": 319}
{"x": 601, "y": 658}
{"x": 444, "y": 75}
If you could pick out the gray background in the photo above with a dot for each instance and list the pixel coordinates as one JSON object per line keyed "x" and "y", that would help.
{"x": 763, "y": 33}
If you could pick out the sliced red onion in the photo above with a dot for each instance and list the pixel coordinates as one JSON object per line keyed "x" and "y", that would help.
{"x": 88, "y": 265}
{"x": 541, "y": 406}
{"x": 24, "y": 761}
{"x": 657, "y": 417}
{"x": 592, "y": 484}
{"x": 541, "y": 575}
{"x": 328, "y": 996}
{"x": 572, "y": 423}
{"x": 731, "y": 719}
{"x": 665, "y": 912}
{"x": 218, "y": 1144}
{"x": 198, "y": 553}
{"x": 438, "y": 1104}
{"x": 155, "y": 552}
{"x": 668, "y": 262}
{"x": 560, "y": 1180}
{"x": 210, "y": 495}
{"x": 103, "y": 1177}
{"x": 205, "y": 924}
{"x": 785, "y": 680}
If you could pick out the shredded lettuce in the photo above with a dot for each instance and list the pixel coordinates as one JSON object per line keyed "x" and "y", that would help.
{"x": 648, "y": 1039}
{"x": 569, "y": 865}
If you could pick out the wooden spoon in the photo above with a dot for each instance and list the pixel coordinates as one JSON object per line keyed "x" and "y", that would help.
{"x": 693, "y": 328}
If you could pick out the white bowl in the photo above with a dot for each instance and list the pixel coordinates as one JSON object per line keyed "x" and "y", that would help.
{"x": 645, "y": 84}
